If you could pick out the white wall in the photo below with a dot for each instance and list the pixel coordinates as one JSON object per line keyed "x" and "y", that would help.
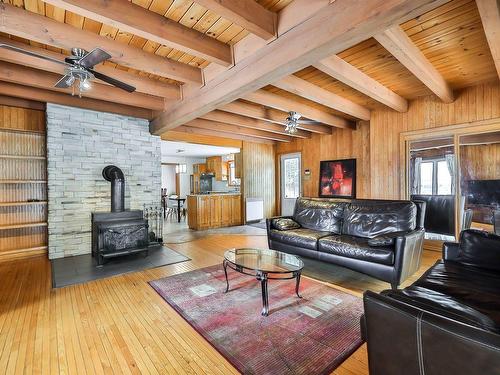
{"x": 168, "y": 178}
{"x": 184, "y": 177}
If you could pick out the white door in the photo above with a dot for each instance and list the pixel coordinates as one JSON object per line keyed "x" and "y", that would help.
{"x": 290, "y": 182}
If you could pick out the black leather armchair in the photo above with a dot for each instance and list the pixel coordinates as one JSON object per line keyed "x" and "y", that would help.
{"x": 380, "y": 238}
{"x": 447, "y": 322}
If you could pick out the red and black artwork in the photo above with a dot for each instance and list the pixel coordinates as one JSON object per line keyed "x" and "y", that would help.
{"x": 337, "y": 178}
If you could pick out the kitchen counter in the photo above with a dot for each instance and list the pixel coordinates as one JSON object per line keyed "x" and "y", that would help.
{"x": 215, "y": 193}
{"x": 215, "y": 210}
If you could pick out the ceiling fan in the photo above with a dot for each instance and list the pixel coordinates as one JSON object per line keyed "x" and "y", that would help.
{"x": 79, "y": 70}
{"x": 293, "y": 120}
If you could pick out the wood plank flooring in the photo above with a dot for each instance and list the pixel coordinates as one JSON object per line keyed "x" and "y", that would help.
{"x": 118, "y": 325}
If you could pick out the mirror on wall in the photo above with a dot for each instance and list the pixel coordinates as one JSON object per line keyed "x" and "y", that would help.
{"x": 432, "y": 178}
{"x": 480, "y": 180}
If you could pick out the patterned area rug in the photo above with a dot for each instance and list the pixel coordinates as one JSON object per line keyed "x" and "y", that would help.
{"x": 311, "y": 335}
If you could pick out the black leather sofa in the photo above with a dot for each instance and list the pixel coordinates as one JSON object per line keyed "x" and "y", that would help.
{"x": 380, "y": 238}
{"x": 447, "y": 322}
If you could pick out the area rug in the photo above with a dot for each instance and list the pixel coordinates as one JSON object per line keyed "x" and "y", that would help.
{"x": 83, "y": 268}
{"x": 309, "y": 335}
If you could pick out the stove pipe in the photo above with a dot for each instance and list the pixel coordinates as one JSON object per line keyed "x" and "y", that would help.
{"x": 115, "y": 176}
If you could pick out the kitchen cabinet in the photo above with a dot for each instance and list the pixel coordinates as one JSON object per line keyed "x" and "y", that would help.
{"x": 214, "y": 211}
{"x": 218, "y": 167}
{"x": 199, "y": 168}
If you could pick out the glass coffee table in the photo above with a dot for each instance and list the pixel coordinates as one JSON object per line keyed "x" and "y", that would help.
{"x": 264, "y": 265}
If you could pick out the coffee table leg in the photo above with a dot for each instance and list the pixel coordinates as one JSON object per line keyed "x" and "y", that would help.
{"x": 297, "y": 284}
{"x": 265, "y": 300}
{"x": 224, "y": 264}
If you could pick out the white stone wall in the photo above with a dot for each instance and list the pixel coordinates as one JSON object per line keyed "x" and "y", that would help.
{"x": 80, "y": 143}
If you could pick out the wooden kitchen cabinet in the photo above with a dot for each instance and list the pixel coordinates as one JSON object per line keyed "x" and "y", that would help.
{"x": 214, "y": 211}
{"x": 199, "y": 168}
{"x": 219, "y": 168}
{"x": 238, "y": 163}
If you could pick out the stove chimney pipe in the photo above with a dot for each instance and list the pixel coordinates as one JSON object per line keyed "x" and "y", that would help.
{"x": 115, "y": 176}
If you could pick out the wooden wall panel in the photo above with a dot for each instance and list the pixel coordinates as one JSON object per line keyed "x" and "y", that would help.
{"x": 476, "y": 103}
{"x": 342, "y": 144}
{"x": 259, "y": 175}
{"x": 23, "y": 188}
{"x": 480, "y": 162}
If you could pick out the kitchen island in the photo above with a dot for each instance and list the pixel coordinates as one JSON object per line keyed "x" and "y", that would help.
{"x": 206, "y": 211}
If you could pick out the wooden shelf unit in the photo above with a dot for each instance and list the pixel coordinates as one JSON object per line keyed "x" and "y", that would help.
{"x": 23, "y": 183}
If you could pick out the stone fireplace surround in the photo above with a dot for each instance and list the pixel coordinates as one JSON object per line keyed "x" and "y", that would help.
{"x": 80, "y": 143}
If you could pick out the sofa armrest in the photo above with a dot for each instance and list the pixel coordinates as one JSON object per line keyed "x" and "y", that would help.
{"x": 450, "y": 250}
{"x": 387, "y": 239}
{"x": 407, "y": 255}
{"x": 404, "y": 339}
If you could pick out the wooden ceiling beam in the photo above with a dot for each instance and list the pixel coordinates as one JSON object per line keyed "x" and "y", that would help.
{"x": 248, "y": 14}
{"x": 281, "y": 103}
{"x": 489, "y": 10}
{"x": 22, "y": 103}
{"x": 28, "y": 25}
{"x": 139, "y": 21}
{"x": 142, "y": 84}
{"x": 341, "y": 70}
{"x": 221, "y": 134}
{"x": 201, "y": 139}
{"x": 46, "y": 96}
{"x": 251, "y": 123}
{"x": 234, "y": 129}
{"x": 338, "y": 26}
{"x": 307, "y": 90}
{"x": 271, "y": 115}
{"x": 44, "y": 80}
{"x": 407, "y": 53}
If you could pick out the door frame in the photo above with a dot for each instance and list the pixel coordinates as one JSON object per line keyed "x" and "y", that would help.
{"x": 279, "y": 175}
{"x": 451, "y": 131}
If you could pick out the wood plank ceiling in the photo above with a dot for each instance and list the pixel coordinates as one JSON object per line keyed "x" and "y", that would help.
{"x": 439, "y": 51}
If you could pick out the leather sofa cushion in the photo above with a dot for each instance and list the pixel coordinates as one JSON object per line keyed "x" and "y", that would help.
{"x": 285, "y": 224}
{"x": 460, "y": 292}
{"x": 369, "y": 219}
{"x": 357, "y": 248}
{"x": 322, "y": 215}
{"x": 303, "y": 237}
{"x": 479, "y": 248}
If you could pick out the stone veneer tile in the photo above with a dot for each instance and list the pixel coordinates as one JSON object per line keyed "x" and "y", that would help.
{"x": 80, "y": 143}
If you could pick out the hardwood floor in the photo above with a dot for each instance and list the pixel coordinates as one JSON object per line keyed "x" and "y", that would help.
{"x": 118, "y": 325}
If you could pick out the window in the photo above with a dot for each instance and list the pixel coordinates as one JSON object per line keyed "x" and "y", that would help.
{"x": 292, "y": 177}
{"x": 435, "y": 178}
{"x": 233, "y": 181}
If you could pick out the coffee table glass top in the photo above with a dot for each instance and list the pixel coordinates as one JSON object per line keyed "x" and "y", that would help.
{"x": 264, "y": 260}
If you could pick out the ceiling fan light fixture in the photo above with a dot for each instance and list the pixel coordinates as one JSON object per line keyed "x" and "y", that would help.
{"x": 70, "y": 80}
{"x": 85, "y": 84}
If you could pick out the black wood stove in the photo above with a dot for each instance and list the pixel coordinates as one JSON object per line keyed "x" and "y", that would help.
{"x": 118, "y": 232}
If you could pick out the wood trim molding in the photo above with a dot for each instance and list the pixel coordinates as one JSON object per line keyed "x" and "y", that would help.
{"x": 32, "y": 26}
{"x": 407, "y": 53}
{"x": 201, "y": 139}
{"x": 142, "y": 22}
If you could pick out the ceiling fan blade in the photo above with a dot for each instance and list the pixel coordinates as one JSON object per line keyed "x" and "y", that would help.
{"x": 63, "y": 82}
{"x": 29, "y": 53}
{"x": 112, "y": 81}
{"x": 94, "y": 57}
